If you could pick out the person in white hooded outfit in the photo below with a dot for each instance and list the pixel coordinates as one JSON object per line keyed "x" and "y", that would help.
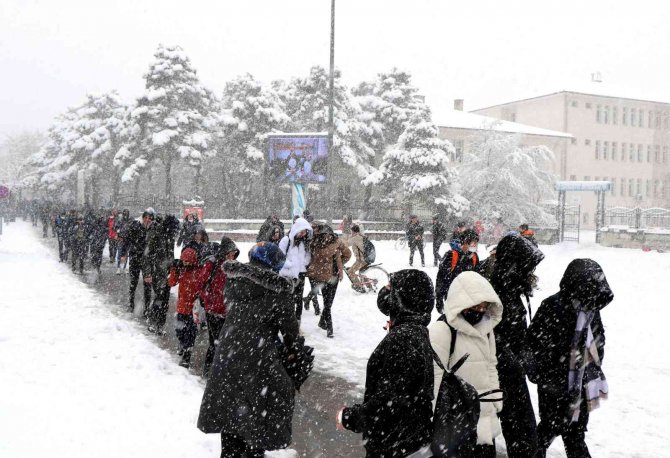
{"x": 472, "y": 310}
{"x": 295, "y": 247}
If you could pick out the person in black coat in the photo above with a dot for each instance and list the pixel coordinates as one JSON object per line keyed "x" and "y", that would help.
{"x": 189, "y": 228}
{"x": 460, "y": 259}
{"x": 266, "y": 227}
{"x": 395, "y": 416}
{"x": 156, "y": 260}
{"x": 583, "y": 288}
{"x": 98, "y": 234}
{"x": 249, "y": 397}
{"x": 440, "y": 234}
{"x": 134, "y": 236}
{"x": 512, "y": 278}
{"x": 414, "y": 234}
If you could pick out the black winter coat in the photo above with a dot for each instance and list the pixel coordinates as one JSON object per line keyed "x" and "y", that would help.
{"x": 264, "y": 232}
{"x": 158, "y": 252}
{"x": 188, "y": 231}
{"x": 551, "y": 332}
{"x": 412, "y": 231}
{"x": 516, "y": 259}
{"x": 134, "y": 236}
{"x": 395, "y": 416}
{"x": 249, "y": 393}
{"x": 440, "y": 232}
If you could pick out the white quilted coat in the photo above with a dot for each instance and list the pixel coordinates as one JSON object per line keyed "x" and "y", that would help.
{"x": 469, "y": 289}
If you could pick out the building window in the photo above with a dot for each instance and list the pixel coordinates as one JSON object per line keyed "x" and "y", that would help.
{"x": 631, "y": 152}
{"x": 587, "y": 178}
{"x": 624, "y": 119}
{"x": 573, "y": 104}
{"x": 657, "y": 184}
{"x": 639, "y": 187}
{"x": 614, "y": 115}
{"x": 622, "y": 187}
{"x": 623, "y": 151}
{"x": 614, "y": 151}
{"x": 631, "y": 187}
{"x": 573, "y": 177}
{"x": 640, "y": 122}
{"x": 639, "y": 153}
{"x": 599, "y": 116}
{"x": 647, "y": 188}
{"x": 633, "y": 117}
{"x": 606, "y": 147}
{"x": 597, "y": 149}
{"x": 606, "y": 115}
{"x": 587, "y": 106}
{"x": 587, "y": 142}
{"x": 666, "y": 122}
{"x": 648, "y": 153}
{"x": 657, "y": 153}
{"x": 657, "y": 123}
{"x": 650, "y": 119}
{"x": 613, "y": 187}
{"x": 665, "y": 154}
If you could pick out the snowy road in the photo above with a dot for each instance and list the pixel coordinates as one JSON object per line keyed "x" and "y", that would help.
{"x": 81, "y": 379}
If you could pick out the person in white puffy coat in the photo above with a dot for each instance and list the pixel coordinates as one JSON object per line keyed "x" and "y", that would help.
{"x": 472, "y": 309}
{"x": 295, "y": 246}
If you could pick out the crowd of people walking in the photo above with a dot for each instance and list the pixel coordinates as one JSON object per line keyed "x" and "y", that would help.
{"x": 257, "y": 358}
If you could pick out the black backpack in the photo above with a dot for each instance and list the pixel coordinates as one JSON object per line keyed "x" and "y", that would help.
{"x": 369, "y": 252}
{"x": 456, "y": 411}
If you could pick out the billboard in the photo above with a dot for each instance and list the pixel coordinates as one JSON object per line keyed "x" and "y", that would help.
{"x": 298, "y": 158}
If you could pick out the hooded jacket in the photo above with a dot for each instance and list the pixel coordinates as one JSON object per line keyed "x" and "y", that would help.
{"x": 249, "y": 393}
{"x": 328, "y": 259}
{"x": 188, "y": 278}
{"x": 395, "y": 416}
{"x": 553, "y": 327}
{"x": 516, "y": 259}
{"x": 297, "y": 255}
{"x": 478, "y": 341}
{"x": 212, "y": 278}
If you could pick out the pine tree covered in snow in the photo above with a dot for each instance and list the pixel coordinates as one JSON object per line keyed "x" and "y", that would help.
{"x": 175, "y": 117}
{"x": 15, "y": 151}
{"x": 503, "y": 179}
{"x": 250, "y": 112}
{"x": 307, "y": 105}
{"x": 420, "y": 164}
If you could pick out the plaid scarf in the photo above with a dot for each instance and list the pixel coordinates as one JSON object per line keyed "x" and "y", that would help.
{"x": 585, "y": 375}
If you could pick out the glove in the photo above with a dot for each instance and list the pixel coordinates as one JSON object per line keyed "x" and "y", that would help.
{"x": 298, "y": 361}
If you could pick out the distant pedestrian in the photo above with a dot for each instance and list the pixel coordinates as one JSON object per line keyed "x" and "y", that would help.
{"x": 134, "y": 236}
{"x": 120, "y": 227}
{"x": 440, "y": 234}
{"x": 455, "y": 261}
{"x": 414, "y": 234}
{"x": 98, "y": 231}
{"x": 566, "y": 340}
{"x": 113, "y": 234}
{"x": 295, "y": 247}
{"x": 271, "y": 221}
{"x": 79, "y": 243}
{"x": 527, "y": 233}
{"x": 357, "y": 244}
{"x": 189, "y": 228}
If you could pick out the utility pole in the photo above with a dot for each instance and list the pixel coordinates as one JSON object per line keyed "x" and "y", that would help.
{"x": 331, "y": 92}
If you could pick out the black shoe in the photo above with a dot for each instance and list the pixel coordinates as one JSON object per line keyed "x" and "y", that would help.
{"x": 322, "y": 325}
{"x": 305, "y": 302}
{"x": 131, "y": 307}
{"x": 423, "y": 264}
{"x": 329, "y": 333}
{"x": 317, "y": 310}
{"x": 186, "y": 359}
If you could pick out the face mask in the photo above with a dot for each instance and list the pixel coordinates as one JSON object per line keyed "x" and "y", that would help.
{"x": 472, "y": 316}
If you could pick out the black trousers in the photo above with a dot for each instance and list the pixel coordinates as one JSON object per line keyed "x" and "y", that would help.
{"x": 113, "y": 247}
{"x": 134, "y": 270}
{"x": 297, "y": 296}
{"x": 436, "y": 252}
{"x": 96, "y": 254}
{"x": 416, "y": 245}
{"x": 328, "y": 293}
{"x": 554, "y": 422}
{"x": 483, "y": 451}
{"x": 214, "y": 326}
{"x": 63, "y": 249}
{"x": 78, "y": 255}
{"x": 233, "y": 446}
{"x": 517, "y": 417}
{"x": 186, "y": 330}
{"x": 157, "y": 313}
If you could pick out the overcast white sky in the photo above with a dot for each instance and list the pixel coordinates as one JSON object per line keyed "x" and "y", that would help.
{"x": 52, "y": 52}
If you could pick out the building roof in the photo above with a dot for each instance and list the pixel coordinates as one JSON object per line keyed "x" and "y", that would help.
{"x": 598, "y": 90}
{"x": 455, "y": 119}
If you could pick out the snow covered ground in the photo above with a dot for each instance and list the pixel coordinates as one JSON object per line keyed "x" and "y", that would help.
{"x": 78, "y": 380}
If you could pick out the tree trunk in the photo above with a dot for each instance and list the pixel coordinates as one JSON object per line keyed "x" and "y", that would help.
{"x": 196, "y": 181}
{"x": 116, "y": 184}
{"x": 168, "y": 179}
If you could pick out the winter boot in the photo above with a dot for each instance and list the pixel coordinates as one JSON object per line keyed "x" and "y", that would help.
{"x": 322, "y": 323}
{"x": 305, "y": 302}
{"x": 186, "y": 359}
{"x": 317, "y": 310}
{"x": 329, "y": 332}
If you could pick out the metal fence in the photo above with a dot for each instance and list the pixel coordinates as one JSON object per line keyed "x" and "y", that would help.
{"x": 638, "y": 218}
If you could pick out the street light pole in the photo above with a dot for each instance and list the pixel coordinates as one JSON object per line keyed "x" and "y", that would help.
{"x": 331, "y": 92}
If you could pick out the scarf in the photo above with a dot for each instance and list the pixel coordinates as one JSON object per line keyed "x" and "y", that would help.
{"x": 585, "y": 376}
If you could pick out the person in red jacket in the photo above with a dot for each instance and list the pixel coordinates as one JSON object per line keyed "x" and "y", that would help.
{"x": 213, "y": 281}
{"x": 112, "y": 234}
{"x": 186, "y": 273}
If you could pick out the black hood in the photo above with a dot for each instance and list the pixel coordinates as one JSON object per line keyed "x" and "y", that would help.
{"x": 516, "y": 259}
{"x": 584, "y": 281}
{"x": 411, "y": 294}
{"x": 227, "y": 245}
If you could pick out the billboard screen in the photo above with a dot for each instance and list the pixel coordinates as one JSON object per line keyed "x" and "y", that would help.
{"x": 298, "y": 159}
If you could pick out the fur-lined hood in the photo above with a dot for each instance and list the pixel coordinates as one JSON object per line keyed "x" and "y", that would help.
{"x": 259, "y": 275}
